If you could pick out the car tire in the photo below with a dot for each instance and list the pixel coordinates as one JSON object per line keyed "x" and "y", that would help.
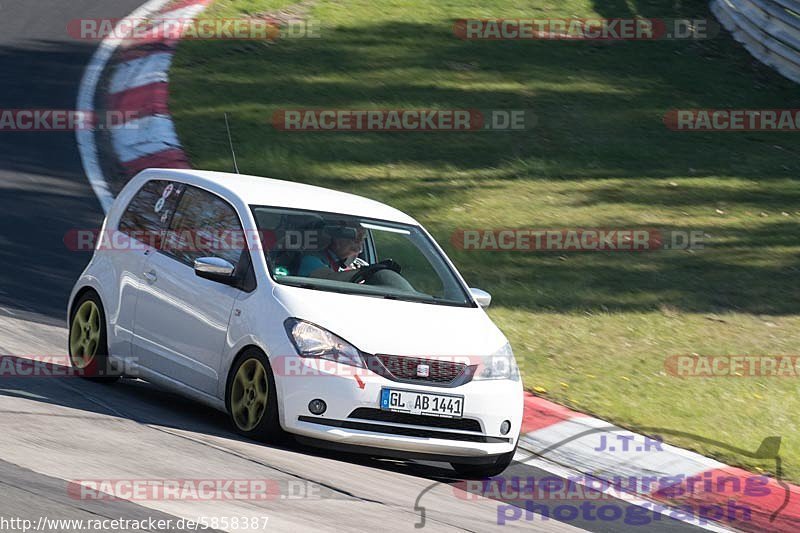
{"x": 482, "y": 471}
{"x": 88, "y": 340}
{"x": 252, "y": 399}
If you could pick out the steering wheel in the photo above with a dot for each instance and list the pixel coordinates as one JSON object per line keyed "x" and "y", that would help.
{"x": 365, "y": 273}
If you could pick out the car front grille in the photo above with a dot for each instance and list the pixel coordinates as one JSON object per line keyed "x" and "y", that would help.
{"x": 378, "y": 415}
{"x": 406, "y": 369}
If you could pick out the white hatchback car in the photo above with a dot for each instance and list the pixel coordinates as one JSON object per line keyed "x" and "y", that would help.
{"x": 298, "y": 309}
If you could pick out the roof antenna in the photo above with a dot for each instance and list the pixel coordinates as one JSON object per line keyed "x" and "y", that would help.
{"x": 230, "y": 141}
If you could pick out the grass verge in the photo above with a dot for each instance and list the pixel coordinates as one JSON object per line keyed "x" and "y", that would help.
{"x": 591, "y": 330}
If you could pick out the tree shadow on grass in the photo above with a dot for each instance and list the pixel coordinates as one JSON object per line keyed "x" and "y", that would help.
{"x": 734, "y": 271}
{"x": 599, "y": 109}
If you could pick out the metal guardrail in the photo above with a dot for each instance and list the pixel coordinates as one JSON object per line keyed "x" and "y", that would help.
{"x": 768, "y": 29}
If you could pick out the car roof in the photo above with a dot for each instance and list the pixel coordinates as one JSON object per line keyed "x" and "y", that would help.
{"x": 255, "y": 190}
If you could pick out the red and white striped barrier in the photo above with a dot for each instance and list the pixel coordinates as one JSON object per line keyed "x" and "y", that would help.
{"x": 139, "y": 88}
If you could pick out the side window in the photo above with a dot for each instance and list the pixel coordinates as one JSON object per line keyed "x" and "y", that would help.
{"x": 149, "y": 211}
{"x": 204, "y": 225}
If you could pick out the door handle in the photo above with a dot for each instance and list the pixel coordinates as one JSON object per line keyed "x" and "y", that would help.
{"x": 151, "y": 276}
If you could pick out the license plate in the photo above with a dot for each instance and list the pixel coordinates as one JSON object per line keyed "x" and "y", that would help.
{"x": 422, "y": 403}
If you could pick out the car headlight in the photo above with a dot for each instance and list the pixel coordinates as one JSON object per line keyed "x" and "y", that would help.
{"x": 313, "y": 341}
{"x": 499, "y": 365}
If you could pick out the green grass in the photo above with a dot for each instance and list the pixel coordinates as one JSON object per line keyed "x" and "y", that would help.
{"x": 590, "y": 330}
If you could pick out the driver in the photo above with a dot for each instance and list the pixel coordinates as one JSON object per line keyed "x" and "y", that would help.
{"x": 341, "y": 255}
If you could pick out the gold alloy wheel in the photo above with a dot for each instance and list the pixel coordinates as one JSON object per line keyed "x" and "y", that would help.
{"x": 84, "y": 336}
{"x": 249, "y": 394}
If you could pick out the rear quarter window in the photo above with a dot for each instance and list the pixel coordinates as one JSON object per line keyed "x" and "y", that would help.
{"x": 150, "y": 211}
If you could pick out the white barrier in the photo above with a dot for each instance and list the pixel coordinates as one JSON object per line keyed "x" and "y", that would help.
{"x": 768, "y": 29}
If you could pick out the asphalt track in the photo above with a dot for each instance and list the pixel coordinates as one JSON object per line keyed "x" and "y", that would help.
{"x": 54, "y": 430}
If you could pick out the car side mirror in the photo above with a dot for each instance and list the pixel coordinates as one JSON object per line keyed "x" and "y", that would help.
{"x": 483, "y": 298}
{"x": 215, "y": 269}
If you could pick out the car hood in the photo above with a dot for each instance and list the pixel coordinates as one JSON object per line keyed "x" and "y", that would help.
{"x": 377, "y": 325}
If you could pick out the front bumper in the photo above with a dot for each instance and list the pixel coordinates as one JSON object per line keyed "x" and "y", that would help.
{"x": 346, "y": 389}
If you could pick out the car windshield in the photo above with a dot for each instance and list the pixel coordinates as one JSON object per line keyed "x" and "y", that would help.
{"x": 354, "y": 255}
